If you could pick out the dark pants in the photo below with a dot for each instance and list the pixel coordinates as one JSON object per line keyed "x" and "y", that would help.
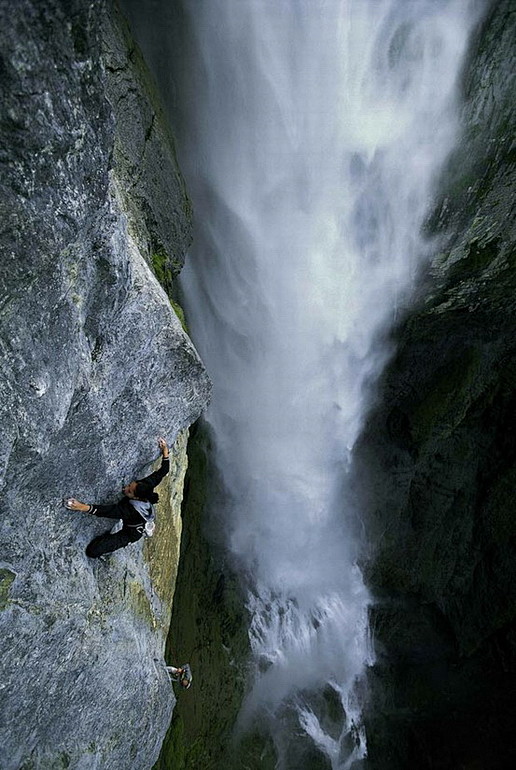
{"x": 108, "y": 542}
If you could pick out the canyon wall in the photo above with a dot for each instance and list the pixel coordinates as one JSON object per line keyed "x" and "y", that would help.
{"x": 436, "y": 465}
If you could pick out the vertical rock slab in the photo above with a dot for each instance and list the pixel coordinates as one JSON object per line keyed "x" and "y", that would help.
{"x": 94, "y": 366}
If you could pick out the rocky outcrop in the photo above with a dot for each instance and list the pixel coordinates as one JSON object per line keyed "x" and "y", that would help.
{"x": 438, "y": 462}
{"x": 95, "y": 365}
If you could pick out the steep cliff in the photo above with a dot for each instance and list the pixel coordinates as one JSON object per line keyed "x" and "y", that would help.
{"x": 95, "y": 365}
{"x": 438, "y": 461}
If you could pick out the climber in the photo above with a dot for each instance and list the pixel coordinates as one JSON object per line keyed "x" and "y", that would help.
{"x": 135, "y": 510}
{"x": 182, "y": 674}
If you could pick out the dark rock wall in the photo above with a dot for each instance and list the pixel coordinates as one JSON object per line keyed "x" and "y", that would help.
{"x": 436, "y": 466}
{"x": 209, "y": 629}
{"x": 94, "y": 367}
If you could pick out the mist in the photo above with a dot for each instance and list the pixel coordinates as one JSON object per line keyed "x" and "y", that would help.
{"x": 311, "y": 135}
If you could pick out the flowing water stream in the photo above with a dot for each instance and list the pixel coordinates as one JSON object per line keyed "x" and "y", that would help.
{"x": 310, "y": 135}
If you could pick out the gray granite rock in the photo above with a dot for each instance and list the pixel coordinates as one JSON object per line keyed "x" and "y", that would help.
{"x": 151, "y": 184}
{"x": 94, "y": 367}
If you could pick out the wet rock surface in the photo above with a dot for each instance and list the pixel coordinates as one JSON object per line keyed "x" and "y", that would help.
{"x": 438, "y": 462}
{"x": 95, "y": 366}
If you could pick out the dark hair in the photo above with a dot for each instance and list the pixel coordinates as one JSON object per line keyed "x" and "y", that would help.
{"x": 144, "y": 492}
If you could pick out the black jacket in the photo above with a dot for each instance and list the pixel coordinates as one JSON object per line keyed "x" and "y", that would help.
{"x": 133, "y": 522}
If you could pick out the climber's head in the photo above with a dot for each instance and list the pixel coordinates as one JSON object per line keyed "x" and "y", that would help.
{"x": 130, "y": 489}
{"x": 139, "y": 490}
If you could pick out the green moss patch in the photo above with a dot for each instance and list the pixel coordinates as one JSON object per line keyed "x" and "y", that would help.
{"x": 140, "y": 604}
{"x": 173, "y": 752}
{"x": 164, "y": 270}
{"x": 6, "y": 580}
{"x": 161, "y": 551}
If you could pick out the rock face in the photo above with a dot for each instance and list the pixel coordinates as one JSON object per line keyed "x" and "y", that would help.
{"x": 94, "y": 367}
{"x": 438, "y": 461}
{"x": 150, "y": 183}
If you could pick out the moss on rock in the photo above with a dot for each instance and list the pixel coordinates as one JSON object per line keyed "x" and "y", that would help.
{"x": 164, "y": 271}
{"x": 161, "y": 551}
{"x": 6, "y": 580}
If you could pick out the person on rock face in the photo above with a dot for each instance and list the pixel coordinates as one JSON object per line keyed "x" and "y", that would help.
{"x": 135, "y": 510}
{"x": 182, "y": 674}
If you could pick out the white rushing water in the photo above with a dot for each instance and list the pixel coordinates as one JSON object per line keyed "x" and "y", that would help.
{"x": 312, "y": 131}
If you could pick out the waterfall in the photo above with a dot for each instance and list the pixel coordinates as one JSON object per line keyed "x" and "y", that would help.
{"x": 310, "y": 133}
